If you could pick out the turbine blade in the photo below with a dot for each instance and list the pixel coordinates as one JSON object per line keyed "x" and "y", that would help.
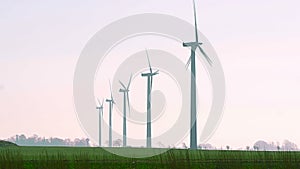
{"x": 156, "y": 72}
{"x": 128, "y": 104}
{"x": 149, "y": 61}
{"x": 188, "y": 63}
{"x": 195, "y": 17}
{"x": 111, "y": 96}
{"x": 205, "y": 55}
{"x": 102, "y": 103}
{"x": 99, "y": 101}
{"x": 122, "y": 84}
{"x": 129, "y": 82}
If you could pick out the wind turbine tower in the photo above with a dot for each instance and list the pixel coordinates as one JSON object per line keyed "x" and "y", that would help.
{"x": 111, "y": 106}
{"x": 149, "y": 90}
{"x": 100, "y": 108}
{"x": 126, "y": 103}
{"x": 191, "y": 61}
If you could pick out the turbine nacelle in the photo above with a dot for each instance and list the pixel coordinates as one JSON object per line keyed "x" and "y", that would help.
{"x": 150, "y": 74}
{"x": 194, "y": 46}
{"x": 124, "y": 90}
{"x": 100, "y": 107}
{"x": 191, "y": 44}
{"x": 110, "y": 100}
{"x": 111, "y": 96}
{"x": 150, "y": 68}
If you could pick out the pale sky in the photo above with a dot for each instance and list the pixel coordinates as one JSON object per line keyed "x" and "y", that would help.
{"x": 257, "y": 43}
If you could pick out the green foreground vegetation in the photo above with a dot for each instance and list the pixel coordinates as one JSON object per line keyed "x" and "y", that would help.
{"x": 6, "y": 143}
{"x": 15, "y": 157}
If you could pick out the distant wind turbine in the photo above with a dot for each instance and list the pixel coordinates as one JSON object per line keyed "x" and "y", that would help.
{"x": 126, "y": 103}
{"x": 149, "y": 90}
{"x": 100, "y": 108}
{"x": 191, "y": 61}
{"x": 111, "y": 106}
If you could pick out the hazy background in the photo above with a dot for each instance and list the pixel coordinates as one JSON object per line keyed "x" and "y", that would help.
{"x": 257, "y": 43}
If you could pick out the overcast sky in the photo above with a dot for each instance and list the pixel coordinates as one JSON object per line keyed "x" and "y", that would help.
{"x": 257, "y": 43}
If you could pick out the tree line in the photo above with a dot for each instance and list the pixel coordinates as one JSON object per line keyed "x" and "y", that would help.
{"x": 36, "y": 140}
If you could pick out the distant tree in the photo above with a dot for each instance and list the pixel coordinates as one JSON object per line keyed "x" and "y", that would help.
{"x": 17, "y": 139}
{"x": 206, "y": 146}
{"x": 12, "y": 139}
{"x": 79, "y": 142}
{"x": 35, "y": 140}
{"x": 227, "y": 147}
{"x": 290, "y": 146}
{"x": 247, "y": 148}
{"x": 22, "y": 140}
{"x": 87, "y": 142}
{"x": 117, "y": 143}
{"x": 57, "y": 142}
{"x": 278, "y": 147}
{"x": 32, "y": 140}
{"x": 68, "y": 142}
{"x": 261, "y": 145}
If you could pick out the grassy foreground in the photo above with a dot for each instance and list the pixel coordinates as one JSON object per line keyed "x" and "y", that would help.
{"x": 93, "y": 158}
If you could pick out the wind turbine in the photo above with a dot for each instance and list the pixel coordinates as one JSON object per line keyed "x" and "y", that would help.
{"x": 149, "y": 89}
{"x": 100, "y": 108}
{"x": 125, "y": 91}
{"x": 111, "y": 106}
{"x": 191, "y": 61}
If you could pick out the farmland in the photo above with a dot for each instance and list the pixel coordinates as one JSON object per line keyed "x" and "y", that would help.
{"x": 92, "y": 158}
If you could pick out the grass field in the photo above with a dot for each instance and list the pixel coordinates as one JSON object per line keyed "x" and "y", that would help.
{"x": 92, "y": 158}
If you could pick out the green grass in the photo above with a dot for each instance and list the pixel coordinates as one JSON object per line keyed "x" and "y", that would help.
{"x": 6, "y": 144}
{"x": 92, "y": 158}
